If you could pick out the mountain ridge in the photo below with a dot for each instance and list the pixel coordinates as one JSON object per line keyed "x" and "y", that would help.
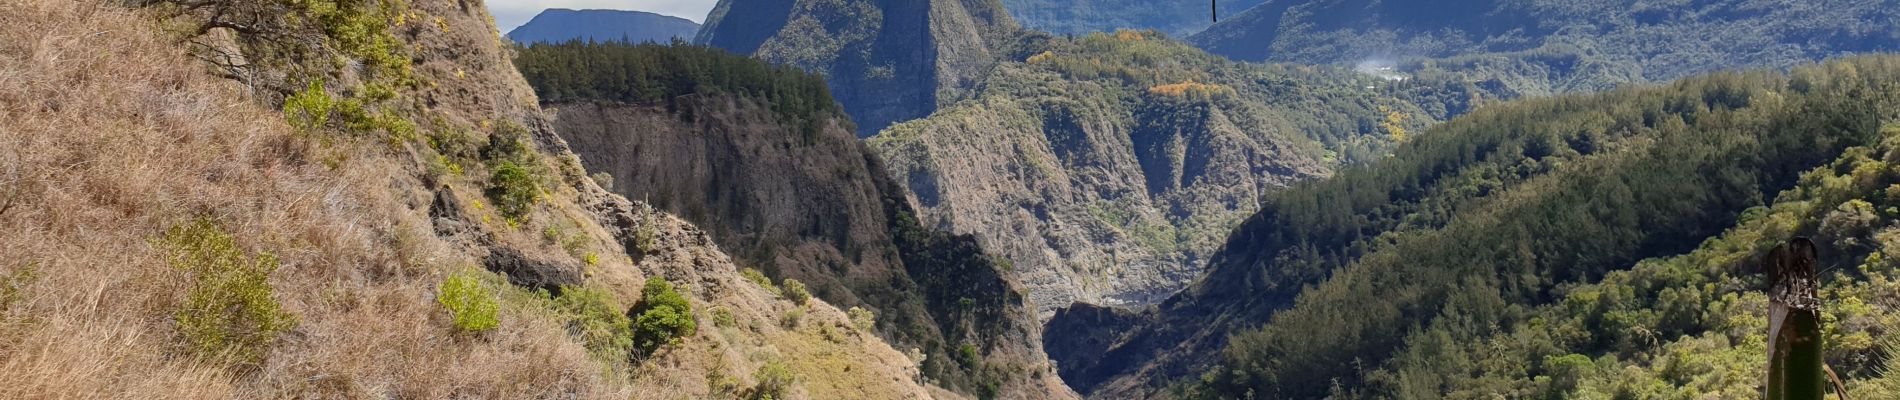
{"x": 561, "y": 24}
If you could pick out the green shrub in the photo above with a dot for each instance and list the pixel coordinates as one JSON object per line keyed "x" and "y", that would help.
{"x": 605, "y": 180}
{"x": 471, "y": 303}
{"x": 663, "y": 315}
{"x": 775, "y": 378}
{"x": 509, "y": 142}
{"x": 759, "y": 278}
{"x": 646, "y": 238}
{"x": 864, "y": 319}
{"x": 229, "y": 310}
{"x": 514, "y": 189}
{"x": 791, "y": 318}
{"x": 723, "y": 318}
{"x": 309, "y": 110}
{"x": 967, "y": 355}
{"x": 594, "y": 317}
{"x": 795, "y": 291}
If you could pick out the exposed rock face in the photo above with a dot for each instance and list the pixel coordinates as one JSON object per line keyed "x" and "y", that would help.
{"x": 1091, "y": 206}
{"x": 1108, "y": 167}
{"x": 819, "y": 209}
{"x": 886, "y": 61}
{"x": 560, "y": 25}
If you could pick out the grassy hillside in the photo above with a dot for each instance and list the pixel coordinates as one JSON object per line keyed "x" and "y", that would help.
{"x": 761, "y": 157}
{"x": 1545, "y": 47}
{"x": 1484, "y": 218}
{"x": 298, "y": 199}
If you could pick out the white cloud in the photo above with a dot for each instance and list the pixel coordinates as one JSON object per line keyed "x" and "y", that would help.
{"x": 512, "y": 13}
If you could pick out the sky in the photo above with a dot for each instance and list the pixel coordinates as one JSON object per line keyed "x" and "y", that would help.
{"x": 512, "y": 13}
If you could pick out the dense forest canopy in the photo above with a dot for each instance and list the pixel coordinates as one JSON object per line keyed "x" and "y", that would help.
{"x": 1470, "y": 228}
{"x": 1474, "y": 224}
{"x": 649, "y": 73}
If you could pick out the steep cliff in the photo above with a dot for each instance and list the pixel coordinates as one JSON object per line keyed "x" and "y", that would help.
{"x": 767, "y": 161}
{"x": 1109, "y": 166}
{"x": 886, "y": 61}
{"x": 822, "y": 211}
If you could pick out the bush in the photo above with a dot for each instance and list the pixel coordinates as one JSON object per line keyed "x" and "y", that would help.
{"x": 514, "y": 189}
{"x": 309, "y": 110}
{"x": 471, "y": 304}
{"x": 605, "y": 180}
{"x": 723, "y": 318}
{"x": 759, "y": 278}
{"x": 594, "y": 317}
{"x": 230, "y": 310}
{"x": 864, "y": 319}
{"x": 795, "y": 291}
{"x": 662, "y": 316}
{"x": 775, "y": 378}
{"x": 967, "y": 355}
{"x": 791, "y": 318}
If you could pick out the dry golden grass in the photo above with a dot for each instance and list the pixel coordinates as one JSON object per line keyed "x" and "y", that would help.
{"x": 110, "y": 134}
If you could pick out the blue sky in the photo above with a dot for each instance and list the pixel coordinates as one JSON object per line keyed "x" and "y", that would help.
{"x": 512, "y": 13}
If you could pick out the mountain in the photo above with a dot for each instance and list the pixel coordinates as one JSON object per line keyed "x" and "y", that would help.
{"x": 886, "y": 61}
{"x": 559, "y": 25}
{"x": 401, "y": 222}
{"x": 1176, "y": 18}
{"x": 1426, "y": 273}
{"x": 762, "y": 157}
{"x": 1542, "y": 47}
{"x": 1109, "y": 166}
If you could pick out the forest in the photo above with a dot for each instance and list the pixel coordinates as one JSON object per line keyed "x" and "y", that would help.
{"x": 1566, "y": 246}
{"x": 645, "y": 73}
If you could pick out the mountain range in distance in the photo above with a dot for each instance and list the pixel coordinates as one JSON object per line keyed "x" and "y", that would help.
{"x": 561, "y": 24}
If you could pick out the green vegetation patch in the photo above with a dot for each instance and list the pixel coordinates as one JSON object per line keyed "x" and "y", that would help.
{"x": 230, "y": 309}
{"x": 599, "y": 322}
{"x": 661, "y": 316}
{"x": 471, "y": 302}
{"x": 578, "y": 71}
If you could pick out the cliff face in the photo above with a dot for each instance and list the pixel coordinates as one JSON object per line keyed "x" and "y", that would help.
{"x": 560, "y": 25}
{"x": 819, "y": 209}
{"x": 886, "y": 60}
{"x": 1109, "y": 167}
